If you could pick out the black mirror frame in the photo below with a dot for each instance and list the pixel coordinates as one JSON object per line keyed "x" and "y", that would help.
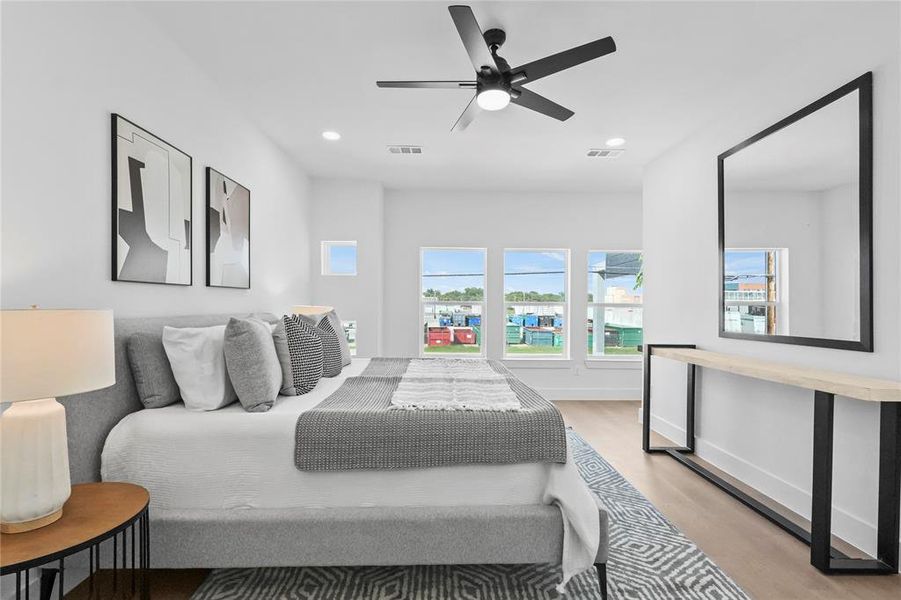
{"x": 864, "y": 86}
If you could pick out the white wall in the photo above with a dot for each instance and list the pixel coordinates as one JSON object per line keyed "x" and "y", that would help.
{"x": 66, "y": 67}
{"x": 580, "y": 222}
{"x": 345, "y": 210}
{"x": 758, "y": 431}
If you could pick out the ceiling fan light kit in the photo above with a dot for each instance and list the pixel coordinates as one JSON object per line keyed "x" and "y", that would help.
{"x": 496, "y": 84}
{"x": 493, "y": 99}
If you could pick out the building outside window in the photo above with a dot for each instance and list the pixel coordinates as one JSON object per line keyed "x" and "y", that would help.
{"x": 615, "y": 304}
{"x": 536, "y": 289}
{"x": 350, "y": 333}
{"x": 452, "y": 293}
{"x": 339, "y": 258}
{"x": 752, "y": 294}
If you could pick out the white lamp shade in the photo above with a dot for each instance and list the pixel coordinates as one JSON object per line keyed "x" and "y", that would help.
{"x": 51, "y": 353}
{"x": 311, "y": 310}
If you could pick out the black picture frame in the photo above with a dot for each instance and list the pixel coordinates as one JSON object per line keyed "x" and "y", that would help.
{"x": 864, "y": 86}
{"x": 210, "y": 174}
{"x": 116, "y": 214}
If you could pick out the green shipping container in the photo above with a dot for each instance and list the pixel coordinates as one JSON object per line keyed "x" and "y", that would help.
{"x": 590, "y": 342}
{"x": 629, "y": 337}
{"x": 477, "y": 329}
{"x": 558, "y": 340}
{"x": 514, "y": 333}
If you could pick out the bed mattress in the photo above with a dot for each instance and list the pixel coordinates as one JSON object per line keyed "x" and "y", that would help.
{"x": 232, "y": 459}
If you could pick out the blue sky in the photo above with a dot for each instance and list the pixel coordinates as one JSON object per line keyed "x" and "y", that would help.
{"x": 343, "y": 259}
{"x": 436, "y": 263}
{"x": 530, "y": 261}
{"x": 746, "y": 263}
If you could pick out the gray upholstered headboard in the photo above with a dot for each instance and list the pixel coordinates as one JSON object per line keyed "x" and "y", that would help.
{"x": 91, "y": 416}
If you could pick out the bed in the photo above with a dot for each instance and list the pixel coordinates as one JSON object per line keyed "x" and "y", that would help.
{"x": 225, "y": 491}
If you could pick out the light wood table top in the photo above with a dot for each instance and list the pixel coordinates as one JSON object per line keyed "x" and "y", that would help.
{"x": 843, "y": 384}
{"x": 93, "y": 511}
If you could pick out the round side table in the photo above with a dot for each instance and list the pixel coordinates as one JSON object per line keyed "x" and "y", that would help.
{"x": 94, "y": 513}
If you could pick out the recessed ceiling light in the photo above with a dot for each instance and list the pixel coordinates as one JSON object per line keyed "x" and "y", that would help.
{"x": 331, "y": 136}
{"x": 615, "y": 142}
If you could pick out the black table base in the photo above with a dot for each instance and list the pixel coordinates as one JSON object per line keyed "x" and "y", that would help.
{"x": 134, "y": 577}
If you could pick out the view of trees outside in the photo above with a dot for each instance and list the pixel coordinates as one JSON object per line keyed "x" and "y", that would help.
{"x": 452, "y": 291}
{"x": 535, "y": 283}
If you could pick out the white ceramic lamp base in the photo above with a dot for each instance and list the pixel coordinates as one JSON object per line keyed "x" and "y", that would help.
{"x": 34, "y": 465}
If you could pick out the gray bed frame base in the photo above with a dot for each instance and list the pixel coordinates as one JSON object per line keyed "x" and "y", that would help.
{"x": 311, "y": 536}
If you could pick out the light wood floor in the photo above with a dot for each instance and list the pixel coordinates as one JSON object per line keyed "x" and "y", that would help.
{"x": 767, "y": 562}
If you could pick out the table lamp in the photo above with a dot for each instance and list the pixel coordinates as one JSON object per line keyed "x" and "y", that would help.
{"x": 44, "y": 354}
{"x": 310, "y": 310}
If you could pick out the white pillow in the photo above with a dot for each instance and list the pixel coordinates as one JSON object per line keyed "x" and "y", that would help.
{"x": 198, "y": 363}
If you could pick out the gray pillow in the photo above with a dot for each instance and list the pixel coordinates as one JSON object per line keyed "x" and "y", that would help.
{"x": 252, "y": 363}
{"x": 151, "y": 371}
{"x": 280, "y": 339}
{"x": 337, "y": 328}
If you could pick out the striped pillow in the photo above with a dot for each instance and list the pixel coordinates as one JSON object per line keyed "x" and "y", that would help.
{"x": 331, "y": 348}
{"x": 305, "y": 351}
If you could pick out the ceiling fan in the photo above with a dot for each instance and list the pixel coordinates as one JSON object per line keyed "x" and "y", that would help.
{"x": 496, "y": 84}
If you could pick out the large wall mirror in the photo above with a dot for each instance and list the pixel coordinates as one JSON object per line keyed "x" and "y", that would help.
{"x": 795, "y": 226}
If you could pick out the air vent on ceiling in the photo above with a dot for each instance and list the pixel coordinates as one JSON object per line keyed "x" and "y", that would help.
{"x": 605, "y": 152}
{"x": 405, "y": 149}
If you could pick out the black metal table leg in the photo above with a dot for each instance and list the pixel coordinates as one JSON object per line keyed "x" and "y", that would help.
{"x": 62, "y": 579}
{"x": 888, "y": 519}
{"x": 689, "y": 446}
{"x": 48, "y": 578}
{"x": 821, "y": 489}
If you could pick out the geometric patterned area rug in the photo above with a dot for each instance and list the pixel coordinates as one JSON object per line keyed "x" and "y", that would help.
{"x": 649, "y": 560}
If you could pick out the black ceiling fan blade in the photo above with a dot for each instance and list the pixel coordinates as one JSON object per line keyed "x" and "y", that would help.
{"x": 539, "y": 103}
{"x": 564, "y": 60}
{"x": 469, "y": 114}
{"x": 450, "y": 85}
{"x": 472, "y": 37}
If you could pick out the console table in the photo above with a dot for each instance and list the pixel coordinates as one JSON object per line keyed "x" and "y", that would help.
{"x": 825, "y": 385}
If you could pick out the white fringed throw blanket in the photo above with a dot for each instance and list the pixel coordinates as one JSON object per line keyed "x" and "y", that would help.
{"x": 448, "y": 384}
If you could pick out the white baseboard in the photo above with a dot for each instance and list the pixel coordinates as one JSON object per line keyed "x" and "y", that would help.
{"x": 570, "y": 393}
{"x": 851, "y": 528}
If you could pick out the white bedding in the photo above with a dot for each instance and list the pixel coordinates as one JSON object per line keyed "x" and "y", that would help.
{"x": 232, "y": 459}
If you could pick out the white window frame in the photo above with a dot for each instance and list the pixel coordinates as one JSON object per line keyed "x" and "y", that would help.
{"x": 603, "y": 305}
{"x": 482, "y": 304}
{"x": 781, "y": 303}
{"x": 324, "y": 255}
{"x": 567, "y": 327}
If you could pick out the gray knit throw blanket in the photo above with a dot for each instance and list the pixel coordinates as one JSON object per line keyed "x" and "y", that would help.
{"x": 356, "y": 428}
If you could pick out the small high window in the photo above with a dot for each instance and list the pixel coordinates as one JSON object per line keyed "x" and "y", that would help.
{"x": 339, "y": 258}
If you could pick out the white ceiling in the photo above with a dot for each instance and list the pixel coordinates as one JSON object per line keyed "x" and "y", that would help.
{"x": 298, "y": 68}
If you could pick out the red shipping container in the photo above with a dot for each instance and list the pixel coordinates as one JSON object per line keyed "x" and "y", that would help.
{"x": 464, "y": 335}
{"x": 439, "y": 336}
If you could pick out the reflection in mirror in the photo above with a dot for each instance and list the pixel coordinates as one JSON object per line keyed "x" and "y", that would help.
{"x": 791, "y": 228}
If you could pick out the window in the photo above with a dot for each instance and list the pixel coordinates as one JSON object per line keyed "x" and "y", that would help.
{"x": 350, "y": 332}
{"x": 614, "y": 304}
{"x": 339, "y": 258}
{"x": 452, "y": 290}
{"x": 752, "y": 292}
{"x": 535, "y": 302}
